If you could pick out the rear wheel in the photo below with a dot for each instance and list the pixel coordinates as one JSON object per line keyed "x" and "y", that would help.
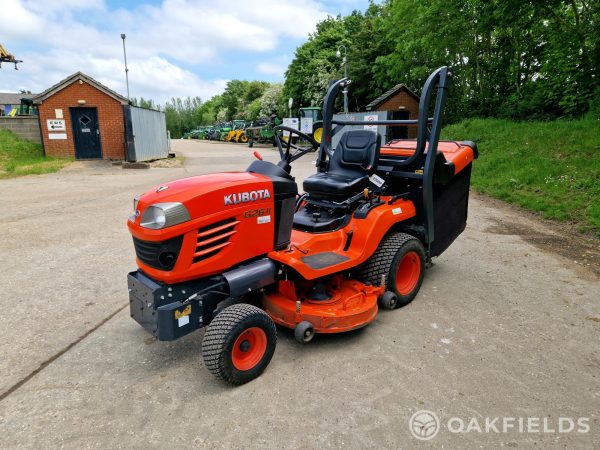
{"x": 400, "y": 258}
{"x": 239, "y": 343}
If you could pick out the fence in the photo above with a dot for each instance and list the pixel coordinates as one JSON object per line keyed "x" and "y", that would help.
{"x": 145, "y": 134}
{"x": 358, "y": 116}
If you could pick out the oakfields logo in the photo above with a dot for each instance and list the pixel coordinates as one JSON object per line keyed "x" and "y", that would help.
{"x": 425, "y": 425}
{"x": 243, "y": 197}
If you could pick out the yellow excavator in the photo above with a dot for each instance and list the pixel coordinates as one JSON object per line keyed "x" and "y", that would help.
{"x": 7, "y": 57}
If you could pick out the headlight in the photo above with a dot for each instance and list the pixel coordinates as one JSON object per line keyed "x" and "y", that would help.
{"x": 163, "y": 215}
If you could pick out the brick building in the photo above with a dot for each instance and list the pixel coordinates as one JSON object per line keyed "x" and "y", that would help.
{"x": 401, "y": 104}
{"x": 82, "y": 119}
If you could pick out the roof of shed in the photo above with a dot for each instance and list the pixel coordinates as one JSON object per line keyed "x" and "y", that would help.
{"x": 9, "y": 98}
{"x": 393, "y": 91}
{"x": 72, "y": 79}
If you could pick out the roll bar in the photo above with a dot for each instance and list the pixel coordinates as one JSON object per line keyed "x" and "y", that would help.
{"x": 427, "y": 138}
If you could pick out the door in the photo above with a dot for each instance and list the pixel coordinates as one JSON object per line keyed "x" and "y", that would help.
{"x": 398, "y": 132}
{"x": 86, "y": 133}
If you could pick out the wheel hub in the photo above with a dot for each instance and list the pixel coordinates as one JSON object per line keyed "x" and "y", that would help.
{"x": 249, "y": 348}
{"x": 245, "y": 346}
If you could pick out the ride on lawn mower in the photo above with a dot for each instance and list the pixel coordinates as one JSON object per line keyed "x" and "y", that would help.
{"x": 240, "y": 252}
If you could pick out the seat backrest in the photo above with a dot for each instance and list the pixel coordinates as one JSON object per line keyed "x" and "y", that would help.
{"x": 357, "y": 153}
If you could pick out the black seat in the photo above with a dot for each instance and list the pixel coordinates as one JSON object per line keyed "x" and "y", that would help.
{"x": 354, "y": 159}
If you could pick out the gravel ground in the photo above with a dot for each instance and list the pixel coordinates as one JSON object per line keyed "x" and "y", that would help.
{"x": 505, "y": 326}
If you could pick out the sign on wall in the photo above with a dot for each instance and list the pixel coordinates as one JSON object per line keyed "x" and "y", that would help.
{"x": 56, "y": 125}
{"x": 54, "y": 136}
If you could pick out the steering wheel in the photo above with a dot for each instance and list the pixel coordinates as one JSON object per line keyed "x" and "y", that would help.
{"x": 300, "y": 151}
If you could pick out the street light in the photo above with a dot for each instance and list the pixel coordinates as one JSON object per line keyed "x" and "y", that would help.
{"x": 126, "y": 69}
{"x": 345, "y": 64}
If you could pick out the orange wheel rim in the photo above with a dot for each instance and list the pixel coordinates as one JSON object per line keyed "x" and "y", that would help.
{"x": 407, "y": 275}
{"x": 249, "y": 348}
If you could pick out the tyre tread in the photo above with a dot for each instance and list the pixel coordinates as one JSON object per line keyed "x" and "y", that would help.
{"x": 380, "y": 262}
{"x": 217, "y": 333}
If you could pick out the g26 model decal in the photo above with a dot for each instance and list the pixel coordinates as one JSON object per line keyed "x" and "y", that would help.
{"x": 243, "y": 197}
{"x": 257, "y": 213}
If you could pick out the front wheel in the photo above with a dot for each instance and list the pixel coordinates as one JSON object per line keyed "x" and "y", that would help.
{"x": 239, "y": 343}
{"x": 400, "y": 259}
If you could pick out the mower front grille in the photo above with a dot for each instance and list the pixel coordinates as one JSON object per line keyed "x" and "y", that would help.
{"x": 214, "y": 238}
{"x": 159, "y": 255}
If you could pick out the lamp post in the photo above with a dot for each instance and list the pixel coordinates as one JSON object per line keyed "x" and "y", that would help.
{"x": 126, "y": 69}
{"x": 345, "y": 64}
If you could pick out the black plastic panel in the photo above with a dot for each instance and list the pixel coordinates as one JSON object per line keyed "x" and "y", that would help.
{"x": 323, "y": 260}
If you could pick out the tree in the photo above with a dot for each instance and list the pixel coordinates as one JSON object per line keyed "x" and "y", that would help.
{"x": 509, "y": 58}
{"x": 271, "y": 101}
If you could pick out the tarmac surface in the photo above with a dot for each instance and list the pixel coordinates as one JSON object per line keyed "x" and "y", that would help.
{"x": 501, "y": 329}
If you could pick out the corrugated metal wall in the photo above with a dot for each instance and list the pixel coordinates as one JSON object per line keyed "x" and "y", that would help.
{"x": 381, "y": 129}
{"x": 145, "y": 134}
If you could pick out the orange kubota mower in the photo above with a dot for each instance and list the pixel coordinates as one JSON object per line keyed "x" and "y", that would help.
{"x": 239, "y": 252}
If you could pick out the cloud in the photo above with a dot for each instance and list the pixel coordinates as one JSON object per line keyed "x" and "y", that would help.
{"x": 169, "y": 44}
{"x": 270, "y": 68}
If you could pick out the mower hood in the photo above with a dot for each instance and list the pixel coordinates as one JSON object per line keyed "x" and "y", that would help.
{"x": 209, "y": 194}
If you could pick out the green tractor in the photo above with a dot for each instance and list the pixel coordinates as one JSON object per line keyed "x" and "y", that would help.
{"x": 315, "y": 114}
{"x": 224, "y": 129}
{"x": 202, "y": 132}
{"x": 195, "y": 134}
{"x": 261, "y": 130}
{"x": 208, "y": 131}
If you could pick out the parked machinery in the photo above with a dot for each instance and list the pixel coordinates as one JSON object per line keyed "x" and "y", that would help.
{"x": 237, "y": 132}
{"x": 224, "y": 129}
{"x": 261, "y": 130}
{"x": 315, "y": 115}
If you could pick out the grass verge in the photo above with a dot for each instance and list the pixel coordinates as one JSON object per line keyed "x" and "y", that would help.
{"x": 549, "y": 167}
{"x": 20, "y": 157}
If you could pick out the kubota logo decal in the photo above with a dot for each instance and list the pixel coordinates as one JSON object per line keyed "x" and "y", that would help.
{"x": 243, "y": 197}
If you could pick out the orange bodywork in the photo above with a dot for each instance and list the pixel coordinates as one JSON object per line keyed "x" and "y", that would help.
{"x": 220, "y": 236}
{"x": 366, "y": 235}
{"x": 242, "y": 238}
{"x": 459, "y": 154}
{"x": 351, "y": 305}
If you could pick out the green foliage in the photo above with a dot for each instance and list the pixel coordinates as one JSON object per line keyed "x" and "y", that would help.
{"x": 549, "y": 167}
{"x": 240, "y": 100}
{"x": 143, "y": 103}
{"x": 21, "y": 157}
{"x": 510, "y": 58}
{"x": 272, "y": 102}
{"x": 182, "y": 115}
{"x": 594, "y": 107}
{"x": 315, "y": 64}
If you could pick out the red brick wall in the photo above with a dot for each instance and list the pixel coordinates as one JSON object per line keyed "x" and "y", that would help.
{"x": 411, "y": 105}
{"x": 110, "y": 120}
